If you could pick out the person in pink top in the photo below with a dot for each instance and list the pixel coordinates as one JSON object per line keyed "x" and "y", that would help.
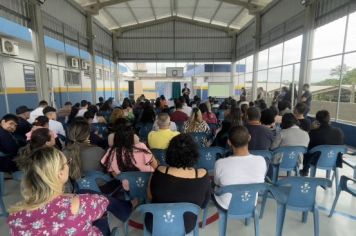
{"x": 208, "y": 116}
{"x": 128, "y": 154}
{"x": 46, "y": 210}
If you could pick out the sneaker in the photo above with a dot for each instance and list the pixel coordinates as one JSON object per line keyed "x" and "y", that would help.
{"x": 303, "y": 173}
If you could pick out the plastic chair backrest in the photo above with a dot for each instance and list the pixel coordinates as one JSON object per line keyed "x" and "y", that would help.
{"x": 303, "y": 191}
{"x": 265, "y": 153}
{"x": 289, "y": 156}
{"x": 138, "y": 182}
{"x": 208, "y": 156}
{"x": 243, "y": 200}
{"x": 89, "y": 181}
{"x": 199, "y": 138}
{"x": 102, "y": 128}
{"x": 168, "y": 217}
{"x": 160, "y": 155}
{"x": 145, "y": 130}
{"x": 328, "y": 154}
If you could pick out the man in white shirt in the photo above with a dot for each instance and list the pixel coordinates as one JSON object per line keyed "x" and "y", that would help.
{"x": 83, "y": 108}
{"x": 185, "y": 108}
{"x": 241, "y": 168}
{"x": 37, "y": 112}
{"x": 54, "y": 125}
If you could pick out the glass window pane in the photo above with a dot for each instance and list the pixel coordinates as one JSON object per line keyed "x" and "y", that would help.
{"x": 263, "y": 59}
{"x": 325, "y": 84}
{"x": 275, "y": 55}
{"x": 292, "y": 50}
{"x": 274, "y": 82}
{"x": 249, "y": 64}
{"x": 329, "y": 38}
{"x": 347, "y": 109}
{"x": 351, "y": 33}
{"x": 262, "y": 80}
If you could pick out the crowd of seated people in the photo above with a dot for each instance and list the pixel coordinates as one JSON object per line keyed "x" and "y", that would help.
{"x": 105, "y": 138}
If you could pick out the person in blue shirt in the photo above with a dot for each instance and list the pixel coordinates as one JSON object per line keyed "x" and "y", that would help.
{"x": 9, "y": 146}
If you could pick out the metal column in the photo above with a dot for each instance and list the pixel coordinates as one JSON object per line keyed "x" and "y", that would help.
{"x": 116, "y": 69}
{"x": 91, "y": 38}
{"x": 307, "y": 46}
{"x": 39, "y": 50}
{"x": 255, "y": 57}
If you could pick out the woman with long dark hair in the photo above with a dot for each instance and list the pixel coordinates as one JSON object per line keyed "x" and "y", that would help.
{"x": 128, "y": 154}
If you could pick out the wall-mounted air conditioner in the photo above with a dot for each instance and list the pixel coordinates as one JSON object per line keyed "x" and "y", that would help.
{"x": 84, "y": 65}
{"x": 74, "y": 62}
{"x": 9, "y": 47}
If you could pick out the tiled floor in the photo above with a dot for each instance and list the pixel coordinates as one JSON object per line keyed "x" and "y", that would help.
{"x": 343, "y": 223}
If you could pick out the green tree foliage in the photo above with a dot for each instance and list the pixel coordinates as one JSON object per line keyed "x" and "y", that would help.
{"x": 348, "y": 78}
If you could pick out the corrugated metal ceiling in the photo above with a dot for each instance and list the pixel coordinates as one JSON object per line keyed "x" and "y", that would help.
{"x": 116, "y": 14}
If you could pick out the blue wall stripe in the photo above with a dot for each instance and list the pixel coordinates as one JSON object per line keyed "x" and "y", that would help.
{"x": 18, "y": 31}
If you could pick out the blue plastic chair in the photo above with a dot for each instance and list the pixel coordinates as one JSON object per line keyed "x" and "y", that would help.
{"x": 138, "y": 183}
{"x": 199, "y": 138}
{"x": 168, "y": 218}
{"x": 242, "y": 204}
{"x": 144, "y": 131}
{"x": 343, "y": 187}
{"x": 301, "y": 198}
{"x": 208, "y": 156}
{"x": 160, "y": 155}
{"x": 288, "y": 162}
{"x": 89, "y": 181}
{"x": 207, "y": 159}
{"x": 327, "y": 160}
{"x": 102, "y": 129}
{"x": 265, "y": 153}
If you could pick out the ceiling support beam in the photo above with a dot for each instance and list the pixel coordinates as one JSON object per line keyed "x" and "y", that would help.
{"x": 94, "y": 9}
{"x": 253, "y": 8}
{"x": 216, "y": 11}
{"x": 236, "y": 16}
{"x": 173, "y": 4}
{"x": 195, "y": 8}
{"x": 112, "y": 18}
{"x": 181, "y": 19}
{"x": 153, "y": 9}
{"x": 132, "y": 12}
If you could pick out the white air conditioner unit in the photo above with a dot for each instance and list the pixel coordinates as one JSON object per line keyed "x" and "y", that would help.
{"x": 84, "y": 65}
{"x": 174, "y": 71}
{"x": 9, "y": 47}
{"x": 74, "y": 62}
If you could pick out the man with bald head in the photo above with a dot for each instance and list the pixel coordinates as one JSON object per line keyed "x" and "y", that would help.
{"x": 160, "y": 139}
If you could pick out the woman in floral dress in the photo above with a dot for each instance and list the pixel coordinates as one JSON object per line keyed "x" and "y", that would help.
{"x": 45, "y": 209}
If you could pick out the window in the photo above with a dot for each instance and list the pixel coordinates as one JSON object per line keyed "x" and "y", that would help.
{"x": 71, "y": 78}
{"x": 325, "y": 78}
{"x": 329, "y": 39}
{"x": 98, "y": 74}
{"x": 106, "y": 75}
{"x": 292, "y": 50}
{"x": 275, "y": 55}
{"x": 29, "y": 77}
{"x": 263, "y": 59}
{"x": 351, "y": 33}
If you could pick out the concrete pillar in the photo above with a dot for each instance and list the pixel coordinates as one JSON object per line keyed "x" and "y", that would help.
{"x": 39, "y": 51}
{"x": 307, "y": 46}
{"x": 255, "y": 56}
{"x": 91, "y": 48}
